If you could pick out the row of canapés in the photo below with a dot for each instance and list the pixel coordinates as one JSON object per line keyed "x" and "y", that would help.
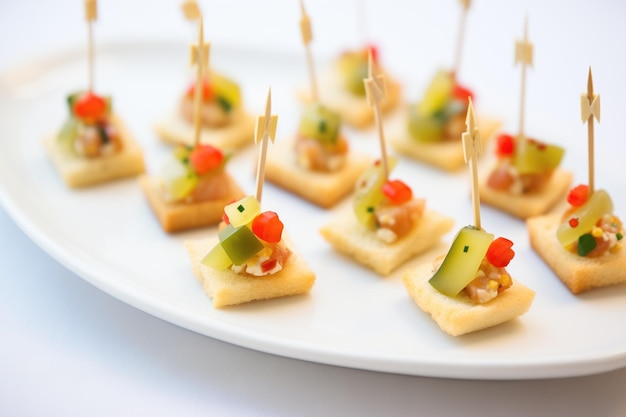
{"x": 250, "y": 260}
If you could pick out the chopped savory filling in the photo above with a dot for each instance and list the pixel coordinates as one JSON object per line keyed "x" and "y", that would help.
{"x": 440, "y": 116}
{"x": 524, "y": 165}
{"x": 219, "y": 99}
{"x": 195, "y": 174}
{"x": 89, "y": 132}
{"x": 320, "y": 146}
{"x": 589, "y": 227}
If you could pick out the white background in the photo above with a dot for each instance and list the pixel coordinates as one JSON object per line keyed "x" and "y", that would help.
{"x": 69, "y": 349}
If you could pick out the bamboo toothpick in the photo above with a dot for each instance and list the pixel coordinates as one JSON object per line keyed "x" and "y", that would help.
{"x": 523, "y": 54}
{"x": 461, "y": 35}
{"x": 199, "y": 56}
{"x": 265, "y": 130}
{"x": 307, "y": 36}
{"x": 91, "y": 14}
{"x": 590, "y": 108}
{"x": 376, "y": 89}
{"x": 471, "y": 151}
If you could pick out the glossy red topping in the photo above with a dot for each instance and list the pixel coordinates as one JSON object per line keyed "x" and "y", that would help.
{"x": 204, "y": 158}
{"x": 500, "y": 253}
{"x": 578, "y": 195}
{"x": 505, "y": 145}
{"x": 397, "y": 191}
{"x": 462, "y": 93}
{"x": 268, "y": 227}
{"x": 90, "y": 106}
{"x": 207, "y": 90}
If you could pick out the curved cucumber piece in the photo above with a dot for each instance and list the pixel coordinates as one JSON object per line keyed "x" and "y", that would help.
{"x": 536, "y": 157}
{"x": 462, "y": 261}
{"x": 587, "y": 215}
{"x": 368, "y": 193}
{"x": 438, "y": 93}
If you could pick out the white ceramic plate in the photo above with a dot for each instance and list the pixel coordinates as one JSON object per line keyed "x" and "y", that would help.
{"x": 352, "y": 317}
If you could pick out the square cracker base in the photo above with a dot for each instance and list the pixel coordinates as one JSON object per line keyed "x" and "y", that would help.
{"x": 350, "y": 237}
{"x": 175, "y": 130}
{"x": 460, "y": 315}
{"x": 175, "y": 217}
{"x": 578, "y": 273}
{"x": 322, "y": 188}
{"x": 446, "y": 155}
{"x": 228, "y": 288}
{"x": 78, "y": 172}
{"x": 524, "y": 206}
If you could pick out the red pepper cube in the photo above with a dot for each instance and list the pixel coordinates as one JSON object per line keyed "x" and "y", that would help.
{"x": 578, "y": 195}
{"x": 208, "y": 93}
{"x": 205, "y": 158}
{"x": 462, "y": 93}
{"x": 268, "y": 227}
{"x": 90, "y": 107}
{"x": 500, "y": 253}
{"x": 239, "y": 243}
{"x": 505, "y": 145}
{"x": 397, "y": 191}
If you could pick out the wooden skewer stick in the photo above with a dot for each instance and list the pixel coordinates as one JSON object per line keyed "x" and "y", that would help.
{"x": 523, "y": 54}
{"x": 461, "y": 35}
{"x": 307, "y": 36}
{"x": 191, "y": 10}
{"x": 471, "y": 150}
{"x": 91, "y": 14}
{"x": 590, "y": 108}
{"x": 199, "y": 56}
{"x": 265, "y": 130}
{"x": 376, "y": 89}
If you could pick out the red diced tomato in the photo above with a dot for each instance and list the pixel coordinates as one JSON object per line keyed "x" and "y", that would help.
{"x": 268, "y": 227}
{"x": 578, "y": 195}
{"x": 397, "y": 191}
{"x": 268, "y": 265}
{"x": 204, "y": 158}
{"x": 505, "y": 145}
{"x": 462, "y": 93}
{"x": 500, "y": 253}
{"x": 207, "y": 90}
{"x": 90, "y": 106}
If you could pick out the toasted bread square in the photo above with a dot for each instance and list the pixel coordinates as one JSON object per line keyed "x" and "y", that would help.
{"x": 460, "y": 315}
{"x": 322, "y": 188}
{"x": 446, "y": 155}
{"x": 175, "y": 130}
{"x": 578, "y": 273}
{"x": 529, "y": 204}
{"x": 228, "y": 288}
{"x": 175, "y": 217}
{"x": 79, "y": 172}
{"x": 347, "y": 235}
{"x": 352, "y": 108}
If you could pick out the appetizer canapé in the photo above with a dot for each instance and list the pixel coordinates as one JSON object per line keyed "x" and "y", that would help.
{"x": 250, "y": 259}
{"x": 583, "y": 246}
{"x": 386, "y": 225}
{"x": 433, "y": 126}
{"x": 341, "y": 87}
{"x": 319, "y": 166}
{"x": 470, "y": 289}
{"x": 93, "y": 146}
{"x": 225, "y": 123}
{"x": 525, "y": 180}
{"x": 192, "y": 189}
